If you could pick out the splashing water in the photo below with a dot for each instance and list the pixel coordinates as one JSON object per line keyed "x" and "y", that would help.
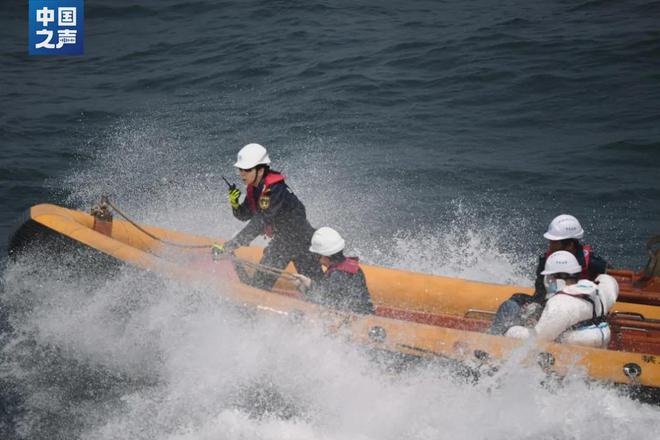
{"x": 157, "y": 179}
{"x": 136, "y": 357}
{"x": 133, "y": 356}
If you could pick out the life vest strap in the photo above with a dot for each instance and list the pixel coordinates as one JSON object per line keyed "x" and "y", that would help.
{"x": 595, "y": 318}
{"x": 586, "y": 252}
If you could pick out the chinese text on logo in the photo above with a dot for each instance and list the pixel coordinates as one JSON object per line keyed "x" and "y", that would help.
{"x": 56, "y": 27}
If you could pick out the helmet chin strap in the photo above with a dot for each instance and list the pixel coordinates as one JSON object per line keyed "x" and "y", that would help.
{"x": 257, "y": 178}
{"x": 260, "y": 177}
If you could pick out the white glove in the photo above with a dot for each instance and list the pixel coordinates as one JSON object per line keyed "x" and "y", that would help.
{"x": 303, "y": 282}
{"x": 518, "y": 332}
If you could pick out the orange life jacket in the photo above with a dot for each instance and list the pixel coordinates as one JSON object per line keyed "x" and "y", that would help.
{"x": 349, "y": 265}
{"x": 271, "y": 178}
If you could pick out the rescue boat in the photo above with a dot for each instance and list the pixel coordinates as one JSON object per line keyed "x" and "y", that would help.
{"x": 418, "y": 315}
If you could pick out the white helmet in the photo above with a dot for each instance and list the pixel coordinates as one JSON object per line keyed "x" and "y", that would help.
{"x": 561, "y": 262}
{"x": 564, "y": 226}
{"x": 252, "y": 155}
{"x": 326, "y": 241}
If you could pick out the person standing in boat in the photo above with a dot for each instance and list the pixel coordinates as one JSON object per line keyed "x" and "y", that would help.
{"x": 575, "y": 310}
{"x": 564, "y": 234}
{"x": 272, "y": 209}
{"x": 343, "y": 286}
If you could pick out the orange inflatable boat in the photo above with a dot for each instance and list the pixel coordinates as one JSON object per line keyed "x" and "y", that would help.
{"x": 416, "y": 314}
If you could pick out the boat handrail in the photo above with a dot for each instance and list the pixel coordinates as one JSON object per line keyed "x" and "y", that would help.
{"x": 629, "y": 315}
{"x": 637, "y": 329}
{"x": 478, "y": 312}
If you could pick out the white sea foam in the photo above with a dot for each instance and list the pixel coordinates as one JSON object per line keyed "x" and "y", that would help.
{"x": 150, "y": 359}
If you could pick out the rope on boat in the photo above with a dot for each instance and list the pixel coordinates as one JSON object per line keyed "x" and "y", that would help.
{"x": 149, "y": 234}
{"x": 256, "y": 266}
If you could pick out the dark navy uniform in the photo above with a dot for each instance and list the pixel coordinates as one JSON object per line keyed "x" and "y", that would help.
{"x": 272, "y": 209}
{"x": 343, "y": 287}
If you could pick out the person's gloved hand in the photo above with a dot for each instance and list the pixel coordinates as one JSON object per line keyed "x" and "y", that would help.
{"x": 234, "y": 195}
{"x": 530, "y": 314}
{"x": 303, "y": 282}
{"x": 218, "y": 249}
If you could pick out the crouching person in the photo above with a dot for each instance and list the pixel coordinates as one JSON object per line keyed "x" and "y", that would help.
{"x": 343, "y": 285}
{"x": 576, "y": 310}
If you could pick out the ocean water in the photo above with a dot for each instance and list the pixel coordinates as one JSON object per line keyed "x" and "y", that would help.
{"x": 436, "y": 136}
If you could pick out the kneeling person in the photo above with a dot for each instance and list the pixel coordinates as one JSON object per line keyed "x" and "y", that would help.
{"x": 343, "y": 285}
{"x": 576, "y": 309}
{"x": 272, "y": 209}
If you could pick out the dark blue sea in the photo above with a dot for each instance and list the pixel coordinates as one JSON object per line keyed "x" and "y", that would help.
{"x": 438, "y": 136}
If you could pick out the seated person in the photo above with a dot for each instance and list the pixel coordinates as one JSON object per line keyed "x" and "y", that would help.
{"x": 343, "y": 285}
{"x": 575, "y": 311}
{"x": 564, "y": 233}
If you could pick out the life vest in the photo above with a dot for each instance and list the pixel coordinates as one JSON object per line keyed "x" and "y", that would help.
{"x": 594, "y": 332}
{"x": 586, "y": 253}
{"x": 271, "y": 178}
{"x": 588, "y": 291}
{"x": 349, "y": 265}
{"x": 591, "y": 335}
